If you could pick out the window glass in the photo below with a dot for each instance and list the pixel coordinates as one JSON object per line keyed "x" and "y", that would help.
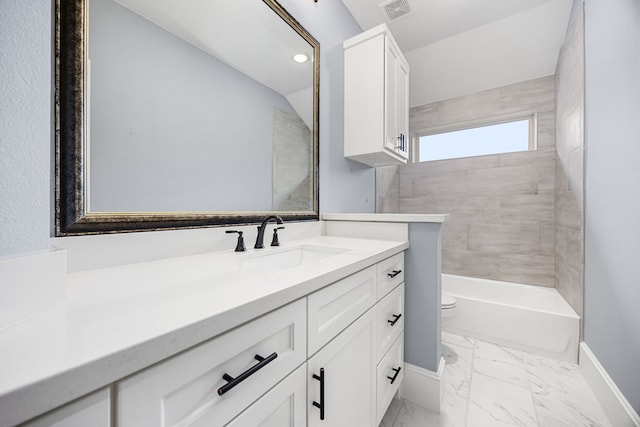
{"x": 477, "y": 141}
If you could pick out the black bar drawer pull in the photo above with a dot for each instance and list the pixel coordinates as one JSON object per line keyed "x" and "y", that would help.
{"x": 232, "y": 382}
{"x": 397, "y": 372}
{"x": 321, "y": 404}
{"x": 396, "y": 317}
{"x": 394, "y": 273}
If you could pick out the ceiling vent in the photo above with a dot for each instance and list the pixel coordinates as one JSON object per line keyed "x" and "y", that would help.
{"x": 396, "y": 9}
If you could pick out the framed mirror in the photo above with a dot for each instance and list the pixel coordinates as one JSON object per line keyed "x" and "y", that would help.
{"x": 183, "y": 114}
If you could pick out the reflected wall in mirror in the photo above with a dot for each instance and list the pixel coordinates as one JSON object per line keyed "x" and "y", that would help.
{"x": 183, "y": 114}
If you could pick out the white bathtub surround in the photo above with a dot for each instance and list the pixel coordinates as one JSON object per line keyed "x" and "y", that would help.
{"x": 543, "y": 393}
{"x": 30, "y": 284}
{"x": 530, "y": 318}
{"x": 424, "y": 387}
{"x": 615, "y": 405}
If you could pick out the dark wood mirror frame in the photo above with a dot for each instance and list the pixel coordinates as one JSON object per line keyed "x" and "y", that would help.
{"x": 72, "y": 216}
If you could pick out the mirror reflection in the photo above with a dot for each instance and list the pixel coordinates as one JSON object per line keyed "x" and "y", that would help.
{"x": 197, "y": 106}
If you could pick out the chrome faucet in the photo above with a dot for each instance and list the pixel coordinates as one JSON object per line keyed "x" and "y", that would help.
{"x": 262, "y": 227}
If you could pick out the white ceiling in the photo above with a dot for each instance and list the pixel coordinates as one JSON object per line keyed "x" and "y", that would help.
{"x": 457, "y": 47}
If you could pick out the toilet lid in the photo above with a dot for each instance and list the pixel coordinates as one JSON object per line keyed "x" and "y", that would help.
{"x": 448, "y": 301}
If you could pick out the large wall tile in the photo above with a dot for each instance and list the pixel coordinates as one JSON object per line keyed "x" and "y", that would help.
{"x": 387, "y": 189}
{"x": 569, "y": 247}
{"x": 501, "y": 205}
{"x": 547, "y": 180}
{"x": 531, "y": 270}
{"x": 504, "y": 239}
{"x": 473, "y": 264}
{"x": 533, "y": 210}
{"x": 503, "y": 181}
{"x": 575, "y": 169}
{"x": 422, "y": 205}
{"x": 534, "y": 93}
{"x": 569, "y": 283}
{"x": 569, "y": 210}
{"x": 548, "y": 240}
{"x": 454, "y": 236}
{"x": 471, "y": 107}
{"x": 430, "y": 185}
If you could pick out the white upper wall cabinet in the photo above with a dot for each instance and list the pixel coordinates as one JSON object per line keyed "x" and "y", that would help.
{"x": 376, "y": 99}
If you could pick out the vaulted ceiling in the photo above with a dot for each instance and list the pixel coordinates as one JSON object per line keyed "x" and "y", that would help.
{"x": 456, "y": 47}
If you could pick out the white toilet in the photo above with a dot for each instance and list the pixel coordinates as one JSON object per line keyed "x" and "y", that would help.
{"x": 448, "y": 311}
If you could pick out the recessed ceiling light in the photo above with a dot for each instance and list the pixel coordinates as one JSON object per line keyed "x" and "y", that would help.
{"x": 300, "y": 58}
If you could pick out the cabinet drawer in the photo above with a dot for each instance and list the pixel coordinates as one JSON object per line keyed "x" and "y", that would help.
{"x": 387, "y": 370}
{"x": 282, "y": 406}
{"x": 185, "y": 390}
{"x": 333, "y": 308}
{"x": 390, "y": 320}
{"x": 390, "y": 274}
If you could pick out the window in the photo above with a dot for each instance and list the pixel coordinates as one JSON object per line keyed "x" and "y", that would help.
{"x": 495, "y": 138}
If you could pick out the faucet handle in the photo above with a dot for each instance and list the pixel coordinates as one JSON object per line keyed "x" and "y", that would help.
{"x": 275, "y": 241}
{"x": 240, "y": 245}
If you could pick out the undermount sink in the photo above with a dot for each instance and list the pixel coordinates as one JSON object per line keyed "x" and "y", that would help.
{"x": 292, "y": 257}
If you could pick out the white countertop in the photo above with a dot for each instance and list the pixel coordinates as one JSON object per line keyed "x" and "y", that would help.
{"x": 385, "y": 217}
{"x": 119, "y": 320}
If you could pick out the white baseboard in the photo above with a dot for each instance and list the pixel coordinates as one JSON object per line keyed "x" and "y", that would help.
{"x": 616, "y": 407}
{"x": 423, "y": 387}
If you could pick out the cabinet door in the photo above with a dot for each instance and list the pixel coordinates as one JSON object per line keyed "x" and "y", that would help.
{"x": 392, "y": 59}
{"x": 282, "y": 406}
{"x": 402, "y": 79}
{"x": 348, "y": 374}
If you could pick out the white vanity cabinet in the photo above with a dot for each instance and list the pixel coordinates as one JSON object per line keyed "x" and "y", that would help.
{"x": 376, "y": 99}
{"x": 358, "y": 367}
{"x": 331, "y": 358}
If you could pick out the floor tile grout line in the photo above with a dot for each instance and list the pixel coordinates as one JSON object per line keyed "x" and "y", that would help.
{"x": 473, "y": 358}
{"x": 533, "y": 402}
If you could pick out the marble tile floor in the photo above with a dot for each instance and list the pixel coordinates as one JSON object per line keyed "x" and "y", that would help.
{"x": 488, "y": 385}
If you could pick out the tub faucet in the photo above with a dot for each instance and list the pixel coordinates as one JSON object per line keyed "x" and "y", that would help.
{"x": 262, "y": 227}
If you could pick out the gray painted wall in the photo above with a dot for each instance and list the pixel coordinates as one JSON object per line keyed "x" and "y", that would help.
{"x": 345, "y": 185}
{"x": 25, "y": 125}
{"x": 612, "y": 190}
{"x": 423, "y": 275}
{"x": 502, "y": 206}
{"x": 569, "y": 208}
{"x": 183, "y": 130}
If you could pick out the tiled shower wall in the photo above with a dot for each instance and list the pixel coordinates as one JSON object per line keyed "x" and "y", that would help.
{"x": 502, "y": 222}
{"x": 570, "y": 162}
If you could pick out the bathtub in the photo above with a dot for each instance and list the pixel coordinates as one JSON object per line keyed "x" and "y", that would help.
{"x": 529, "y": 318}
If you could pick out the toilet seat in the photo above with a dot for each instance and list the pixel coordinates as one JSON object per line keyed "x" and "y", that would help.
{"x": 448, "y": 302}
